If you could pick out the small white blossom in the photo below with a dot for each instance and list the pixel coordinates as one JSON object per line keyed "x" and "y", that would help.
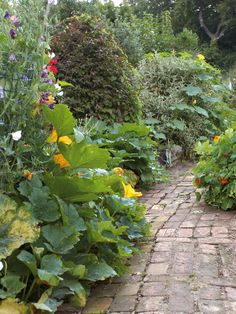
{"x": 60, "y": 93}
{"x": 1, "y": 265}
{"x": 1, "y": 92}
{"x": 16, "y": 136}
{"x": 57, "y": 86}
{"x": 51, "y": 55}
{"x": 52, "y": 1}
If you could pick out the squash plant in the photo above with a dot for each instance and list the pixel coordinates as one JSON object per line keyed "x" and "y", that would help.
{"x": 215, "y": 172}
{"x": 65, "y": 228}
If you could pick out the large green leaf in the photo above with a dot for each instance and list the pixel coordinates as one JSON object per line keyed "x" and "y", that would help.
{"x": 17, "y": 226}
{"x": 100, "y": 271}
{"x": 29, "y": 260}
{"x": 53, "y": 264}
{"x": 12, "y": 284}
{"x": 77, "y": 189}
{"x": 82, "y": 155}
{"x": 201, "y": 111}
{"x": 61, "y": 239}
{"x": 140, "y": 129}
{"x": 61, "y": 118}
{"x": 192, "y": 90}
{"x": 44, "y": 207}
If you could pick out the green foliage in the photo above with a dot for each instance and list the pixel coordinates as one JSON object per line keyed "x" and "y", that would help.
{"x": 70, "y": 226}
{"x": 215, "y": 171}
{"x": 102, "y": 78}
{"x": 131, "y": 147}
{"x": 185, "y": 95}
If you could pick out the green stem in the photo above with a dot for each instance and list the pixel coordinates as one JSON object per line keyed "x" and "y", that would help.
{"x": 30, "y": 289}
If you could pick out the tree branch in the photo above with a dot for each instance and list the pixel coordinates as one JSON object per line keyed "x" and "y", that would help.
{"x": 213, "y": 36}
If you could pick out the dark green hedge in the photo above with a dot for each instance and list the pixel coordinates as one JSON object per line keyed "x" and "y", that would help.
{"x": 90, "y": 59}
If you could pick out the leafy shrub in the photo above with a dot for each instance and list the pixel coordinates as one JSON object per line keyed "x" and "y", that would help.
{"x": 184, "y": 95}
{"x": 67, "y": 227}
{"x": 215, "y": 172}
{"x": 102, "y": 78}
{"x": 131, "y": 147}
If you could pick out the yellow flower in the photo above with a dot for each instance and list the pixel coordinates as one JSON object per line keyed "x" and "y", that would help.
{"x": 216, "y": 139}
{"x": 119, "y": 171}
{"x": 54, "y": 137}
{"x": 200, "y": 57}
{"x": 194, "y": 102}
{"x": 130, "y": 192}
{"x": 50, "y": 100}
{"x": 61, "y": 161}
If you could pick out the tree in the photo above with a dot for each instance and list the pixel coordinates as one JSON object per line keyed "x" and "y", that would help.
{"x": 154, "y": 7}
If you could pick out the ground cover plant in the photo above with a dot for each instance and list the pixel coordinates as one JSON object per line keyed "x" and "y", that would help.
{"x": 215, "y": 171}
{"x": 185, "y": 96}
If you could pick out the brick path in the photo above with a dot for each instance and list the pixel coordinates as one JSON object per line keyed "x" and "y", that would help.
{"x": 188, "y": 264}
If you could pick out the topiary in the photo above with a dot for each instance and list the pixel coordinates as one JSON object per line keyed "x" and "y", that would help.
{"x": 102, "y": 78}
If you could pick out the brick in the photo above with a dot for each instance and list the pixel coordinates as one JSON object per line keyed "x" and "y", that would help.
{"x": 211, "y": 293}
{"x": 153, "y": 289}
{"x": 185, "y": 233}
{"x": 181, "y": 299}
{"x": 202, "y": 232}
{"x": 183, "y": 263}
{"x": 211, "y": 307}
{"x": 219, "y": 231}
{"x": 151, "y": 304}
{"x": 163, "y": 246}
{"x": 124, "y": 303}
{"x": 97, "y": 306}
{"x": 160, "y": 257}
{"x": 108, "y": 290}
{"x": 231, "y": 293}
{"x": 128, "y": 289}
{"x": 157, "y": 269}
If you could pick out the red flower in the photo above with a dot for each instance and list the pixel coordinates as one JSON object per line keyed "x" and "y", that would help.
{"x": 224, "y": 181}
{"x": 53, "y": 61}
{"x": 198, "y": 181}
{"x": 53, "y": 69}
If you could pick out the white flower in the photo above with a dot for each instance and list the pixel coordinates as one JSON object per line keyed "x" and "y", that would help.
{"x": 1, "y": 265}
{"x": 52, "y": 55}
{"x": 60, "y": 93}
{"x": 52, "y": 1}
{"x": 16, "y": 136}
{"x": 1, "y": 92}
{"x": 57, "y": 86}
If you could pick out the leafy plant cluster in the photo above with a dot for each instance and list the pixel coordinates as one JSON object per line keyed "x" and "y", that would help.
{"x": 131, "y": 147}
{"x": 183, "y": 97}
{"x": 103, "y": 80}
{"x": 68, "y": 227}
{"x": 215, "y": 172}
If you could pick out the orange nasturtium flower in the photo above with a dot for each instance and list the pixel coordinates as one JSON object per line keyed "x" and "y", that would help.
{"x": 224, "y": 181}
{"x": 61, "y": 161}
{"x": 28, "y": 175}
{"x": 62, "y": 139}
{"x": 198, "y": 181}
{"x": 119, "y": 171}
{"x": 216, "y": 139}
{"x": 130, "y": 192}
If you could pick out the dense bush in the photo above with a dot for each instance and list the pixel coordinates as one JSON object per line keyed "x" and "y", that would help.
{"x": 102, "y": 78}
{"x": 215, "y": 171}
{"x": 184, "y": 95}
